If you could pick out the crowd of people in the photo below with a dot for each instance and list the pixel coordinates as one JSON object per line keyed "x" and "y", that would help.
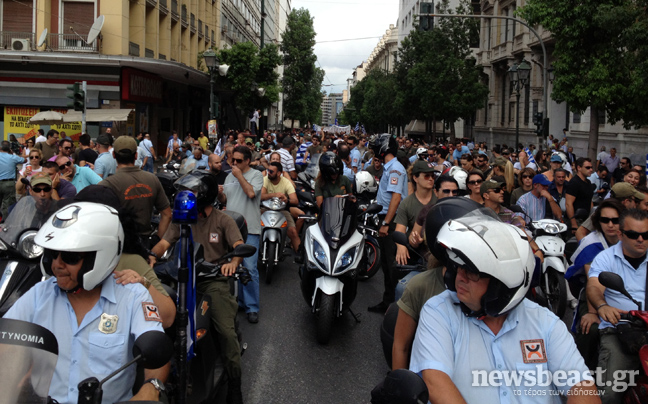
{"x": 603, "y": 202}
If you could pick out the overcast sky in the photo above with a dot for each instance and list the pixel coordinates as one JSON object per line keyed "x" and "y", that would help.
{"x": 345, "y": 20}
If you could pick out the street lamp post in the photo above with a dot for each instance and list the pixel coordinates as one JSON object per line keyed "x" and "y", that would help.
{"x": 519, "y": 77}
{"x": 211, "y": 61}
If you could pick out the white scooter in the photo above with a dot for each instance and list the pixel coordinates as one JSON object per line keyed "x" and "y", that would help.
{"x": 273, "y": 235}
{"x": 334, "y": 250}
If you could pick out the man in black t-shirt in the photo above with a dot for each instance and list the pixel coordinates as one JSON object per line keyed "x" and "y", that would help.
{"x": 579, "y": 191}
{"x": 86, "y": 154}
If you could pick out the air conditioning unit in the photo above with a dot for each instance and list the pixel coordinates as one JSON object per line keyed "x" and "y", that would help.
{"x": 20, "y": 44}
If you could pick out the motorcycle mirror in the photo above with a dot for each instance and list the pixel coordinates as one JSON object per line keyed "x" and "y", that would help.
{"x": 613, "y": 281}
{"x": 244, "y": 250}
{"x": 155, "y": 347}
{"x": 516, "y": 208}
{"x": 169, "y": 166}
{"x": 373, "y": 209}
{"x": 400, "y": 238}
{"x": 25, "y": 181}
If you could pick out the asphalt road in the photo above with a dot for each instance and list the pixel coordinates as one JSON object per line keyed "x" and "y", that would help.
{"x": 285, "y": 364}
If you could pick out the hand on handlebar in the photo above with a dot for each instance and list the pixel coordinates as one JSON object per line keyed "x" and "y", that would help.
{"x": 402, "y": 254}
{"x": 228, "y": 269}
{"x": 587, "y": 320}
{"x": 611, "y": 314}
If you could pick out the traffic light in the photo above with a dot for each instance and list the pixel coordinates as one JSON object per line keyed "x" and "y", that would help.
{"x": 77, "y": 97}
{"x": 426, "y": 22}
{"x": 538, "y": 122}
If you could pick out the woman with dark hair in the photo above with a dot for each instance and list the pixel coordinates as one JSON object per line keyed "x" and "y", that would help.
{"x": 445, "y": 186}
{"x": 541, "y": 158}
{"x": 473, "y": 184}
{"x": 525, "y": 180}
{"x": 606, "y": 222}
{"x": 467, "y": 162}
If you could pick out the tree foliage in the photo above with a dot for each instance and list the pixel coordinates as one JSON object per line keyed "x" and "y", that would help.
{"x": 436, "y": 73}
{"x": 250, "y": 66}
{"x": 600, "y": 57}
{"x": 302, "y": 80}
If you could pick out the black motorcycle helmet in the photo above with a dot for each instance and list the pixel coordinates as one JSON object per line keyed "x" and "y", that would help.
{"x": 447, "y": 209}
{"x": 330, "y": 164}
{"x": 203, "y": 184}
{"x": 383, "y": 144}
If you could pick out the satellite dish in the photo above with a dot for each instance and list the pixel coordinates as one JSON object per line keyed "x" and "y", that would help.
{"x": 43, "y": 38}
{"x": 95, "y": 29}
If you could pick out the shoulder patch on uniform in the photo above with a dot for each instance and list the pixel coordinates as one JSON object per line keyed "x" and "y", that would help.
{"x": 151, "y": 312}
{"x": 533, "y": 351}
{"x": 394, "y": 180}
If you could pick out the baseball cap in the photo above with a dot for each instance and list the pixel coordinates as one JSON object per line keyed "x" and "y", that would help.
{"x": 421, "y": 166}
{"x": 623, "y": 190}
{"x": 125, "y": 143}
{"x": 490, "y": 184}
{"x": 249, "y": 140}
{"x": 556, "y": 159}
{"x": 541, "y": 179}
{"x": 43, "y": 178}
{"x": 500, "y": 162}
{"x": 104, "y": 140}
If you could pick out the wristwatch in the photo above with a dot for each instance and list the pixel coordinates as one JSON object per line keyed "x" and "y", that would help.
{"x": 384, "y": 223}
{"x": 157, "y": 383}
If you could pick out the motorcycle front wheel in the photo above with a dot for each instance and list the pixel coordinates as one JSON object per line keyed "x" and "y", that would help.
{"x": 270, "y": 264}
{"x": 325, "y": 317}
{"x": 555, "y": 288}
{"x": 371, "y": 259}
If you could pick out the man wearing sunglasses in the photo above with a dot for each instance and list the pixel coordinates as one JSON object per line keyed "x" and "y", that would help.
{"x": 579, "y": 192}
{"x": 627, "y": 258}
{"x": 64, "y": 149}
{"x": 80, "y": 177}
{"x": 538, "y": 203}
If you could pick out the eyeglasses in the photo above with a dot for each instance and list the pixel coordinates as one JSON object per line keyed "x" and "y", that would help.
{"x": 428, "y": 176}
{"x": 350, "y": 143}
{"x": 606, "y": 220}
{"x": 68, "y": 257}
{"x": 272, "y": 172}
{"x": 496, "y": 190}
{"x": 62, "y": 166}
{"x": 450, "y": 191}
{"x": 475, "y": 182}
{"x": 587, "y": 167}
{"x": 633, "y": 235}
{"x": 527, "y": 176}
{"x": 472, "y": 276}
{"x": 34, "y": 157}
{"x": 46, "y": 188}
{"x": 237, "y": 161}
{"x": 67, "y": 148}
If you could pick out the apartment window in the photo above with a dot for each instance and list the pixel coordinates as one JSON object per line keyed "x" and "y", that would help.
{"x": 78, "y": 15}
{"x": 577, "y": 117}
{"x": 601, "y": 116}
{"x": 17, "y": 15}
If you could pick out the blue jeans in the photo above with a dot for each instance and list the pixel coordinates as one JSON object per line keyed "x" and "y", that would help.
{"x": 249, "y": 294}
{"x": 402, "y": 284}
{"x": 149, "y": 165}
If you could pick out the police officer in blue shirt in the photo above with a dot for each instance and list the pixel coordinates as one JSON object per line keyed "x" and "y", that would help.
{"x": 356, "y": 158}
{"x": 8, "y": 163}
{"x": 482, "y": 341}
{"x": 392, "y": 189}
{"x": 95, "y": 320}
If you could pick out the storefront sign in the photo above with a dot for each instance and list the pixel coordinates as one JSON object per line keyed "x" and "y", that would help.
{"x": 16, "y": 122}
{"x": 140, "y": 86}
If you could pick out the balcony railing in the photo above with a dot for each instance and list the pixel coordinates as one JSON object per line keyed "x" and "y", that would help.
{"x": 163, "y": 7}
{"x": 200, "y": 29}
{"x": 193, "y": 23}
{"x": 23, "y": 41}
{"x": 183, "y": 16}
{"x": 151, "y": 3}
{"x": 148, "y": 53}
{"x": 133, "y": 49}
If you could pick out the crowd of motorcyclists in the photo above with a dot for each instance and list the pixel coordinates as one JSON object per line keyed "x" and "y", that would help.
{"x": 471, "y": 243}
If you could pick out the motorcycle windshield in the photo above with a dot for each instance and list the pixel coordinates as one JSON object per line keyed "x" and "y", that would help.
{"x": 29, "y": 213}
{"x": 313, "y": 166}
{"x": 28, "y": 353}
{"x": 338, "y": 221}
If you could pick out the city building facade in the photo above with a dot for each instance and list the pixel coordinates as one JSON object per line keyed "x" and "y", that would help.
{"x": 332, "y": 104}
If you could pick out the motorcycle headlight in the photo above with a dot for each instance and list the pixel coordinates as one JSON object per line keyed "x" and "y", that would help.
{"x": 27, "y": 247}
{"x": 345, "y": 260}
{"x": 320, "y": 256}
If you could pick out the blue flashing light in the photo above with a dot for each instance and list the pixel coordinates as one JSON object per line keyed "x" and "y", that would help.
{"x": 185, "y": 210}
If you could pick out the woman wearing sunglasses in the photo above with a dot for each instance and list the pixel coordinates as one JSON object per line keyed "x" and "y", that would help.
{"x": 525, "y": 180}
{"x": 586, "y": 320}
{"x": 32, "y": 167}
{"x": 473, "y": 183}
{"x": 542, "y": 160}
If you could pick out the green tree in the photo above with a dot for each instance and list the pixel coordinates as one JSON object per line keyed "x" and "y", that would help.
{"x": 601, "y": 49}
{"x": 302, "y": 80}
{"x": 250, "y": 66}
{"x": 435, "y": 72}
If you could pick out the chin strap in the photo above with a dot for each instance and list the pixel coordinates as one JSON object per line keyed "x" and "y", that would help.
{"x": 72, "y": 291}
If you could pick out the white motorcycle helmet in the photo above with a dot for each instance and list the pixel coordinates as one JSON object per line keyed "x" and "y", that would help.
{"x": 365, "y": 184}
{"x": 422, "y": 153}
{"x": 86, "y": 227}
{"x": 460, "y": 175}
{"x": 489, "y": 247}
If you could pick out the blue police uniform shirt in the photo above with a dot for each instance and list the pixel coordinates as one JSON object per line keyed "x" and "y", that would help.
{"x": 612, "y": 260}
{"x": 413, "y": 158}
{"x": 8, "y": 164}
{"x": 97, "y": 346}
{"x": 532, "y": 340}
{"x": 458, "y": 153}
{"x": 203, "y": 162}
{"x": 356, "y": 159}
{"x": 394, "y": 179}
{"x": 105, "y": 165}
{"x": 348, "y": 172}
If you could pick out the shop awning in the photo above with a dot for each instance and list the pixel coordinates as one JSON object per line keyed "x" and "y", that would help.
{"x": 98, "y": 115}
